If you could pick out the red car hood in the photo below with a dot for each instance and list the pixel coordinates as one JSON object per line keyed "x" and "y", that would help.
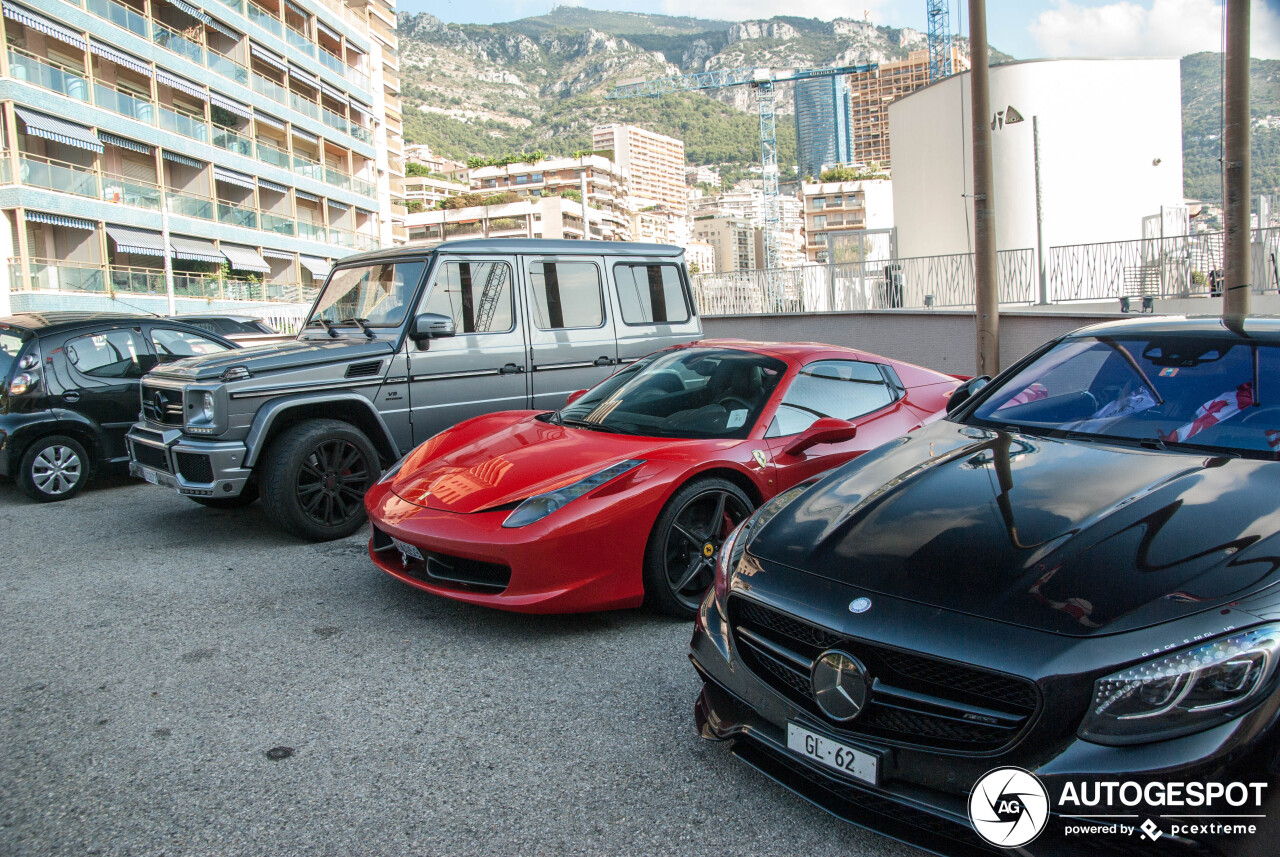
{"x": 490, "y": 463}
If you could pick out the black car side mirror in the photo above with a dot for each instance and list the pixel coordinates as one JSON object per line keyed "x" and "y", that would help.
{"x": 430, "y": 325}
{"x": 965, "y": 391}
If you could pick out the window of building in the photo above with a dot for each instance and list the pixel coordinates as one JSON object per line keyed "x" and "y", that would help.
{"x": 114, "y": 354}
{"x": 818, "y": 203}
{"x": 566, "y": 295}
{"x": 649, "y": 294}
{"x": 844, "y": 389}
{"x": 476, "y": 295}
{"x": 820, "y": 221}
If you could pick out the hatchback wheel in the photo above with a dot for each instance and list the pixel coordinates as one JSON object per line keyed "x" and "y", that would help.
{"x": 54, "y": 468}
{"x": 314, "y": 477}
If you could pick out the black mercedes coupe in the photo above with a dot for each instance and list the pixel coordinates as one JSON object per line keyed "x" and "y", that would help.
{"x": 1048, "y": 623}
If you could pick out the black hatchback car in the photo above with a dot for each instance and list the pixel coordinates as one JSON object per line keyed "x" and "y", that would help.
{"x": 1049, "y": 622}
{"x": 71, "y": 391}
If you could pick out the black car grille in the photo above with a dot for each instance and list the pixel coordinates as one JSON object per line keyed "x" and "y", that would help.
{"x": 150, "y": 456}
{"x": 915, "y": 699}
{"x": 445, "y": 570}
{"x": 194, "y": 467}
{"x": 162, "y": 406}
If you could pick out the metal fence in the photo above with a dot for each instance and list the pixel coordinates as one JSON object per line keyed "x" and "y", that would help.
{"x": 914, "y": 283}
{"x": 1176, "y": 266}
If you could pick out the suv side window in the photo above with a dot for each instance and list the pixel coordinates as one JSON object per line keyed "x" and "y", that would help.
{"x": 649, "y": 294}
{"x": 173, "y": 345}
{"x": 476, "y": 295}
{"x": 566, "y": 295}
{"x": 843, "y": 389}
{"x": 113, "y": 354}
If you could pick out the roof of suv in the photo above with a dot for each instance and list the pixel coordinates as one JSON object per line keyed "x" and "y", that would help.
{"x": 57, "y": 320}
{"x": 549, "y": 246}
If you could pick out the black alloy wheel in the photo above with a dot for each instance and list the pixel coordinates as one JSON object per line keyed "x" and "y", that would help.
{"x": 314, "y": 478}
{"x": 680, "y": 561}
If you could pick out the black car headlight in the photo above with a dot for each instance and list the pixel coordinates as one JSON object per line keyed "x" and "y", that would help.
{"x": 1184, "y": 691}
{"x": 540, "y": 505}
{"x": 736, "y": 544}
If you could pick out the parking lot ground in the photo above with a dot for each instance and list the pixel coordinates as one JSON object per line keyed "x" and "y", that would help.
{"x": 154, "y": 652}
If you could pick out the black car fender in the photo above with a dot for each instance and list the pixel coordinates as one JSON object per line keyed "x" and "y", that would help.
{"x": 23, "y": 429}
{"x": 278, "y": 414}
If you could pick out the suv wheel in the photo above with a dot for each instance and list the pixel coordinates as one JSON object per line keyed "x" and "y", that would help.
{"x": 314, "y": 476}
{"x": 53, "y": 468}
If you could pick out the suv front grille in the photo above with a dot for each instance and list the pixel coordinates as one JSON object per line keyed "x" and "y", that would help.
{"x": 194, "y": 467}
{"x": 915, "y": 699}
{"x": 162, "y": 406}
{"x": 150, "y": 456}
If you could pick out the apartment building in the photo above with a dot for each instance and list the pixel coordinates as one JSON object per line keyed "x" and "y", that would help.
{"x": 530, "y": 217}
{"x": 748, "y": 204}
{"x": 871, "y": 93}
{"x": 653, "y": 162}
{"x": 836, "y": 212}
{"x": 737, "y": 245}
{"x": 257, "y": 134}
{"x": 420, "y": 153}
{"x": 824, "y": 134}
{"x": 606, "y": 185}
{"x": 423, "y": 192}
{"x": 700, "y": 257}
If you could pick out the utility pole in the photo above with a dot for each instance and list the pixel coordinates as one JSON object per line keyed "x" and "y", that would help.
{"x": 1040, "y": 260}
{"x": 168, "y": 256}
{"x": 1238, "y": 276}
{"x": 986, "y": 297}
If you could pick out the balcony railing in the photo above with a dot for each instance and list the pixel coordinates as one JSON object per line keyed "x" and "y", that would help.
{"x": 189, "y": 204}
{"x": 237, "y": 215}
{"x": 276, "y": 223}
{"x": 48, "y": 75}
{"x": 226, "y": 66}
{"x": 172, "y": 40}
{"x": 329, "y": 61}
{"x": 300, "y": 41}
{"x": 265, "y": 19}
{"x": 51, "y": 174}
{"x": 51, "y": 275}
{"x": 273, "y": 155}
{"x": 304, "y": 105}
{"x": 304, "y": 166}
{"x": 311, "y": 231}
{"x": 121, "y": 16}
{"x": 126, "y": 191}
{"x": 232, "y": 141}
{"x": 124, "y": 103}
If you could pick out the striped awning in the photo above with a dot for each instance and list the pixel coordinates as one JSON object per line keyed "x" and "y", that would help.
{"x": 194, "y": 11}
{"x": 140, "y": 241}
{"x": 178, "y": 83}
{"x": 341, "y": 206}
{"x": 333, "y": 92}
{"x": 297, "y": 10}
{"x": 223, "y": 28}
{"x": 279, "y": 255}
{"x": 306, "y": 135}
{"x": 302, "y": 194}
{"x": 223, "y": 174}
{"x": 303, "y": 75}
{"x": 319, "y": 268}
{"x": 267, "y": 57}
{"x": 182, "y": 159}
{"x": 58, "y": 130}
{"x": 121, "y": 59}
{"x": 268, "y": 119}
{"x": 329, "y": 31}
{"x": 272, "y": 186}
{"x": 195, "y": 249}
{"x": 39, "y": 22}
{"x": 245, "y": 259}
{"x": 60, "y": 220}
{"x": 124, "y": 142}
{"x": 230, "y": 105}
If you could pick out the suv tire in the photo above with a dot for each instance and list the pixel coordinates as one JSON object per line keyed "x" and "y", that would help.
{"x": 313, "y": 478}
{"x": 244, "y": 498}
{"x": 53, "y": 468}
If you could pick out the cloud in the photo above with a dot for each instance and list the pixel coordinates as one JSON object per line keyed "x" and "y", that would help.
{"x": 1170, "y": 28}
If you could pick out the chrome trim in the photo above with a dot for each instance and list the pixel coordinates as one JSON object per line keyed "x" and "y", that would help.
{"x": 444, "y": 376}
{"x": 589, "y": 364}
{"x": 315, "y": 387}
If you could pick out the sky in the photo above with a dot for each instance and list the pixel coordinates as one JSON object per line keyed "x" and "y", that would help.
{"x": 1023, "y": 28}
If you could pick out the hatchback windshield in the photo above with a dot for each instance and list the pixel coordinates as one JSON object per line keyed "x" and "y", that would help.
{"x": 1170, "y": 390}
{"x": 376, "y": 295}
{"x": 695, "y": 392}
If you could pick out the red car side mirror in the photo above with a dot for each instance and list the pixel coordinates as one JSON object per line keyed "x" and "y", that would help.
{"x": 825, "y": 430}
{"x": 575, "y": 396}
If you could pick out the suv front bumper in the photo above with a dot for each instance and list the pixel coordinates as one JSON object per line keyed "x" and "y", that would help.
{"x": 197, "y": 468}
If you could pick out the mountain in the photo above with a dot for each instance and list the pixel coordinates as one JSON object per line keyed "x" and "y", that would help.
{"x": 1202, "y": 125}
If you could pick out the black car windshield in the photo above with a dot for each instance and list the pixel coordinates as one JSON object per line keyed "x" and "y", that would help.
{"x": 1172, "y": 390}
{"x": 379, "y": 295}
{"x": 688, "y": 392}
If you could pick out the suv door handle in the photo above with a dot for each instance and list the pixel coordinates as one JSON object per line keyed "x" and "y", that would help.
{"x": 510, "y": 369}
{"x": 604, "y": 361}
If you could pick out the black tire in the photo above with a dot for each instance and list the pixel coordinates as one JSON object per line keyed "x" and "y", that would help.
{"x": 53, "y": 468}
{"x": 245, "y": 498}
{"x": 680, "y": 559}
{"x": 314, "y": 476}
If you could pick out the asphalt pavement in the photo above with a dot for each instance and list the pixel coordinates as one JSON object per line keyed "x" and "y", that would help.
{"x": 182, "y": 681}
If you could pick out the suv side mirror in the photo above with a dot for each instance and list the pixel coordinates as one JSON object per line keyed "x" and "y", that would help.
{"x": 824, "y": 430}
{"x": 430, "y": 325}
{"x": 965, "y": 391}
{"x": 575, "y": 396}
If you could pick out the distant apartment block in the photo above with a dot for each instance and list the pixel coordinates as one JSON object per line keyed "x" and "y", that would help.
{"x": 737, "y": 245}
{"x": 531, "y": 217}
{"x": 653, "y": 162}
{"x": 265, "y": 132}
{"x": 871, "y": 93}
{"x": 420, "y": 153}
{"x": 422, "y": 192}
{"x": 833, "y": 211}
{"x": 748, "y": 204}
{"x": 701, "y": 175}
{"x": 700, "y": 257}
{"x": 824, "y": 134}
{"x": 605, "y": 182}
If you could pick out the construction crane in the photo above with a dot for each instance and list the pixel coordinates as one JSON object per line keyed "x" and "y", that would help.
{"x": 939, "y": 12}
{"x": 763, "y": 80}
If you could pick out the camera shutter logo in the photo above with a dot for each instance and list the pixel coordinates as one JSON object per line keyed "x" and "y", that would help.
{"x": 1009, "y": 807}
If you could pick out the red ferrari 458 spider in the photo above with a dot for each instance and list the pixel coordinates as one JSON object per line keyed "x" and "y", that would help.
{"x": 624, "y": 495}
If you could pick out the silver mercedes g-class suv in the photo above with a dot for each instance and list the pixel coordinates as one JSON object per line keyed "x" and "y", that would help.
{"x": 399, "y": 345}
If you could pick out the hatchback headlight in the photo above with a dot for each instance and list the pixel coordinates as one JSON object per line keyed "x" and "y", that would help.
{"x": 1185, "y": 691}
{"x": 539, "y": 506}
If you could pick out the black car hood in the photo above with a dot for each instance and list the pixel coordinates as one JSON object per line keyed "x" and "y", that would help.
{"x": 1068, "y": 536}
{"x": 274, "y": 357}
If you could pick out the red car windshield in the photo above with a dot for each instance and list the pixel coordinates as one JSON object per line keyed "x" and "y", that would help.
{"x": 693, "y": 393}
{"x": 1197, "y": 392}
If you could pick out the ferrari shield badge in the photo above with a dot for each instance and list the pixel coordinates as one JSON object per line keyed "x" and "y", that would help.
{"x": 760, "y": 457}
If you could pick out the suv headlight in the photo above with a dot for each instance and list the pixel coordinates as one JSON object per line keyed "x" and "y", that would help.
{"x": 540, "y": 505}
{"x": 736, "y": 544}
{"x": 201, "y": 409}
{"x": 1185, "y": 691}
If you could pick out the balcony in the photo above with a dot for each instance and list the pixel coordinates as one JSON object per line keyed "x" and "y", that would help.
{"x": 363, "y": 187}
{"x": 278, "y": 224}
{"x": 47, "y": 74}
{"x": 304, "y": 166}
{"x": 333, "y": 63}
{"x": 265, "y": 19}
{"x": 234, "y": 214}
{"x": 189, "y": 205}
{"x": 52, "y": 174}
{"x": 232, "y": 141}
{"x": 171, "y": 39}
{"x": 126, "y": 191}
{"x": 273, "y": 155}
{"x": 312, "y": 231}
{"x": 269, "y": 88}
{"x": 121, "y": 16}
{"x": 124, "y": 103}
{"x": 188, "y": 125}
{"x": 226, "y": 66}
{"x": 301, "y": 41}
{"x": 304, "y": 105}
